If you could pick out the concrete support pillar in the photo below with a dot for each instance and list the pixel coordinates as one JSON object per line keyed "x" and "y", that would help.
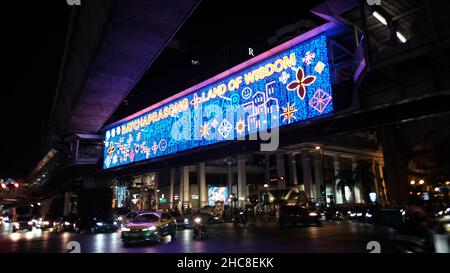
{"x": 382, "y": 182}
{"x": 281, "y": 171}
{"x": 172, "y": 187}
{"x": 185, "y": 188}
{"x": 293, "y": 169}
{"x": 337, "y": 166}
{"x": 67, "y": 203}
{"x": 307, "y": 175}
{"x": 156, "y": 187}
{"x": 201, "y": 181}
{"x": 374, "y": 170}
{"x": 242, "y": 181}
{"x": 358, "y": 191}
{"x": 395, "y": 153}
{"x": 230, "y": 174}
{"x": 318, "y": 176}
{"x": 380, "y": 187}
{"x": 267, "y": 168}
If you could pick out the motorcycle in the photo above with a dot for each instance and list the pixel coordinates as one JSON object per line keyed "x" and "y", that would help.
{"x": 240, "y": 219}
{"x": 199, "y": 229}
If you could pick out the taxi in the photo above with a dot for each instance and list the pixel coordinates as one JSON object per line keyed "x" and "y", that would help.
{"x": 149, "y": 226}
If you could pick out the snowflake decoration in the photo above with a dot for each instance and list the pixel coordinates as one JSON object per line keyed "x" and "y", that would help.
{"x": 301, "y": 83}
{"x": 309, "y": 57}
{"x": 114, "y": 160}
{"x": 204, "y": 130}
{"x": 289, "y": 112}
{"x": 225, "y": 128}
{"x": 146, "y": 151}
{"x": 154, "y": 147}
{"x": 240, "y": 127}
{"x": 284, "y": 77}
{"x": 214, "y": 123}
{"x": 320, "y": 100}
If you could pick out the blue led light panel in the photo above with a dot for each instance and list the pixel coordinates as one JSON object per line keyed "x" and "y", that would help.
{"x": 288, "y": 88}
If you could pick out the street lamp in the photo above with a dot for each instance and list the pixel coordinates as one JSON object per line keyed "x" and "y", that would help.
{"x": 323, "y": 169}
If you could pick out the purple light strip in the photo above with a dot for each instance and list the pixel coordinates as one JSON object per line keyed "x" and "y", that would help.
{"x": 280, "y": 48}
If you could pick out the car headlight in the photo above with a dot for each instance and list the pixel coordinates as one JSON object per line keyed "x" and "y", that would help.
{"x": 120, "y": 218}
{"x": 46, "y": 223}
{"x": 368, "y": 215}
{"x": 186, "y": 221}
{"x": 67, "y": 223}
{"x": 30, "y": 223}
{"x": 99, "y": 224}
{"x": 125, "y": 229}
{"x": 312, "y": 214}
{"x": 115, "y": 223}
{"x": 359, "y": 214}
{"x": 198, "y": 220}
{"x": 149, "y": 228}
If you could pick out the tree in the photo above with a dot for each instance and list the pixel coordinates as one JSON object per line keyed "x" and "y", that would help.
{"x": 345, "y": 178}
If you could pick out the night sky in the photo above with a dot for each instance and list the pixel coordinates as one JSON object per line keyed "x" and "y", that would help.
{"x": 34, "y": 36}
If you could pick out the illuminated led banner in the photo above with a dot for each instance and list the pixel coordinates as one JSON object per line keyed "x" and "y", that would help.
{"x": 282, "y": 87}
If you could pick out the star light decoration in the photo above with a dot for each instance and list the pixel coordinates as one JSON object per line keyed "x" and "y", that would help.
{"x": 301, "y": 83}
{"x": 289, "y": 112}
{"x": 196, "y": 101}
{"x": 240, "y": 127}
{"x": 320, "y": 100}
{"x": 204, "y": 130}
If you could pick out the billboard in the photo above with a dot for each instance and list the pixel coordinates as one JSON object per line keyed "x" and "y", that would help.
{"x": 283, "y": 87}
{"x": 217, "y": 194}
